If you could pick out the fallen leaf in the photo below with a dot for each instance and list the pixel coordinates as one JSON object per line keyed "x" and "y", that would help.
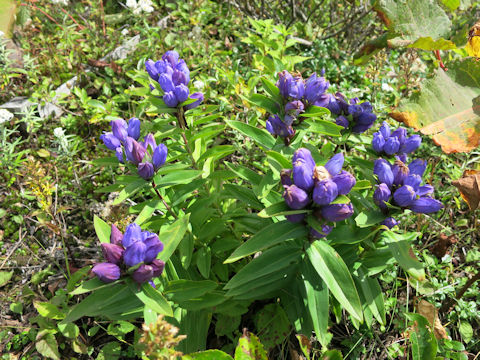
{"x": 469, "y": 187}
{"x": 441, "y": 246}
{"x": 427, "y": 310}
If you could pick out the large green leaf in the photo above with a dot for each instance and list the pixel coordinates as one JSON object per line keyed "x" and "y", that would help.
{"x": 182, "y": 290}
{"x": 332, "y": 269}
{"x": 249, "y": 348}
{"x": 372, "y": 293}
{"x": 131, "y": 189}
{"x": 265, "y": 102}
{"x": 447, "y": 107}
{"x": 400, "y": 246}
{"x": 102, "y": 229}
{"x": 260, "y": 136}
{"x": 208, "y": 355}
{"x": 152, "y": 298}
{"x": 172, "y": 235}
{"x": 267, "y": 237}
{"x": 422, "y": 338}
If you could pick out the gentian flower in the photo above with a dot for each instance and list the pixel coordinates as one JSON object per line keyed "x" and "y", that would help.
{"x": 303, "y": 174}
{"x": 404, "y": 196}
{"x": 295, "y": 197}
{"x": 113, "y": 253}
{"x": 325, "y": 192}
{"x": 382, "y": 195}
{"x": 396, "y": 142}
{"x": 106, "y": 272}
{"x": 337, "y": 212}
{"x": 276, "y": 126}
{"x": 390, "y": 222}
{"x": 326, "y": 229}
{"x": 199, "y": 99}
{"x": 425, "y": 205}
{"x": 315, "y": 87}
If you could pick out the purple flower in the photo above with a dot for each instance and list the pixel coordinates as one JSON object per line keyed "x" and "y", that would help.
{"x": 134, "y": 151}
{"x": 323, "y": 100}
{"x": 133, "y": 233}
{"x": 171, "y": 57}
{"x": 146, "y": 170}
{"x": 425, "y": 190}
{"x": 198, "y": 96}
{"x": 116, "y": 236}
{"x": 314, "y": 88}
{"x": 362, "y": 116}
{"x": 344, "y": 181}
{"x": 179, "y": 78}
{"x": 400, "y": 134}
{"x": 159, "y": 156}
{"x": 337, "y": 212}
{"x": 303, "y": 175}
{"x": 414, "y": 181}
{"x": 166, "y": 83}
{"x": 417, "y": 167}
{"x": 404, "y": 196}
{"x": 276, "y": 126}
{"x": 383, "y": 170}
{"x": 400, "y": 171}
{"x": 154, "y": 246}
{"x": 283, "y": 83}
{"x": 385, "y": 130}
{"x": 305, "y": 155}
{"x": 325, "y": 192}
{"x": 119, "y": 154}
{"x": 170, "y": 99}
{"x": 286, "y": 177}
{"x": 295, "y": 197}
{"x": 158, "y": 266}
{"x": 143, "y": 274}
{"x": 110, "y": 141}
{"x": 134, "y": 254}
{"x": 106, "y": 272}
{"x": 294, "y": 108}
{"x": 295, "y": 218}
{"x": 112, "y": 253}
{"x": 342, "y": 121}
{"x": 390, "y": 222}
{"x": 392, "y": 145}
{"x": 119, "y": 129}
{"x": 149, "y": 140}
{"x": 151, "y": 69}
{"x": 335, "y": 164}
{"x": 181, "y": 93}
{"x": 425, "y": 205}
{"x": 378, "y": 142}
{"x": 411, "y": 144}
{"x": 381, "y": 196}
{"x": 133, "y": 129}
{"x": 326, "y": 229}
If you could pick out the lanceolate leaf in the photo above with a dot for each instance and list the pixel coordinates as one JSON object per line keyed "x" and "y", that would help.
{"x": 102, "y": 229}
{"x": 172, "y": 235}
{"x": 262, "y": 137}
{"x": 447, "y": 107}
{"x": 400, "y": 246}
{"x": 331, "y": 268}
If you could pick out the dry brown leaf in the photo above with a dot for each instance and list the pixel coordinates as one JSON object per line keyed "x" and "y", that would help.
{"x": 427, "y": 310}
{"x": 469, "y": 187}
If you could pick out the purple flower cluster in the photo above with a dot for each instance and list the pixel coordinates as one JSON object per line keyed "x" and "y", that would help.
{"x": 130, "y": 249}
{"x": 390, "y": 143}
{"x": 317, "y": 186}
{"x": 401, "y": 185}
{"x": 146, "y": 155}
{"x": 297, "y": 94}
{"x": 173, "y": 76}
{"x": 352, "y": 113}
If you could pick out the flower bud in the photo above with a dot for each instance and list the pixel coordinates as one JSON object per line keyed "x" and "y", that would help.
{"x": 385, "y": 130}
{"x": 198, "y": 96}
{"x": 334, "y": 165}
{"x": 337, "y": 212}
{"x": 182, "y": 66}
{"x": 390, "y": 222}
{"x": 171, "y": 57}
{"x": 303, "y": 154}
{"x": 145, "y": 170}
{"x": 112, "y": 253}
{"x": 154, "y": 246}
{"x": 404, "y": 196}
{"x": 159, "y": 156}
{"x": 411, "y": 144}
{"x": 314, "y": 88}
{"x": 151, "y": 69}
{"x": 325, "y": 192}
{"x": 413, "y": 181}
{"x": 286, "y": 177}
{"x": 158, "y": 266}
{"x": 170, "y": 99}
{"x": 402, "y": 157}
{"x": 400, "y": 171}
{"x": 400, "y": 134}
{"x": 342, "y": 121}
{"x": 382, "y": 169}
{"x": 179, "y": 78}
{"x": 378, "y": 142}
{"x": 295, "y": 197}
{"x": 119, "y": 154}
{"x": 163, "y": 67}
{"x": 323, "y": 100}
{"x": 425, "y": 205}
{"x": 166, "y": 83}
{"x": 303, "y": 175}
{"x": 181, "y": 93}
{"x": 320, "y": 173}
{"x": 133, "y": 233}
{"x": 149, "y": 140}
{"x": 381, "y": 196}
{"x": 133, "y": 129}
{"x": 294, "y": 108}
{"x": 425, "y": 190}
{"x": 134, "y": 254}
{"x": 344, "y": 181}
{"x": 326, "y": 229}
{"x": 392, "y": 145}
{"x": 106, "y": 272}
{"x": 143, "y": 274}
{"x": 276, "y": 126}
{"x": 116, "y": 236}
{"x": 119, "y": 129}
{"x": 297, "y": 88}
{"x": 283, "y": 83}
{"x": 417, "y": 167}
{"x": 134, "y": 151}
{"x": 295, "y": 218}
{"x": 110, "y": 141}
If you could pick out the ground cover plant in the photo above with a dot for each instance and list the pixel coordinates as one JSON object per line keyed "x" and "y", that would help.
{"x": 245, "y": 181}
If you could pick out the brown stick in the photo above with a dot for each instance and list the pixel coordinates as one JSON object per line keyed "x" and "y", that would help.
{"x": 169, "y": 209}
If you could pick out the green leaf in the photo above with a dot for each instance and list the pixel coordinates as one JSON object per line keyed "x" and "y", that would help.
{"x": 265, "y": 103}
{"x": 272, "y": 90}
{"x": 423, "y": 341}
{"x": 324, "y": 127}
{"x": 447, "y": 107}
{"x": 130, "y": 190}
{"x": 46, "y": 345}
{"x": 316, "y": 111}
{"x": 69, "y": 330}
{"x": 48, "y": 310}
{"x": 269, "y": 262}
{"x": 316, "y": 298}
{"x": 204, "y": 261}
{"x": 243, "y": 194}
{"x": 208, "y": 355}
{"x": 182, "y": 290}
{"x": 400, "y": 246}
{"x": 272, "y": 325}
{"x": 102, "y": 229}
{"x": 172, "y": 235}
{"x": 77, "y": 276}
{"x": 373, "y": 295}
{"x": 267, "y": 237}
{"x": 427, "y": 43}
{"x": 177, "y": 177}
{"x": 369, "y": 218}
{"x": 452, "y": 4}
{"x": 217, "y": 152}
{"x": 250, "y": 348}
{"x": 466, "y": 331}
{"x": 90, "y": 285}
{"x": 106, "y": 161}
{"x": 331, "y": 268}
{"x": 152, "y": 298}
{"x": 280, "y": 208}
{"x": 206, "y": 301}
{"x": 260, "y": 136}
{"x": 5, "y": 277}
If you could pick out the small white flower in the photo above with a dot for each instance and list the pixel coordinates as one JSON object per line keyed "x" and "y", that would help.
{"x": 58, "y": 132}
{"x": 146, "y": 5}
{"x": 1, "y": 33}
{"x": 386, "y": 87}
{"x": 5, "y": 116}
{"x": 132, "y": 4}
{"x": 125, "y": 32}
{"x": 199, "y": 84}
{"x": 63, "y": 2}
